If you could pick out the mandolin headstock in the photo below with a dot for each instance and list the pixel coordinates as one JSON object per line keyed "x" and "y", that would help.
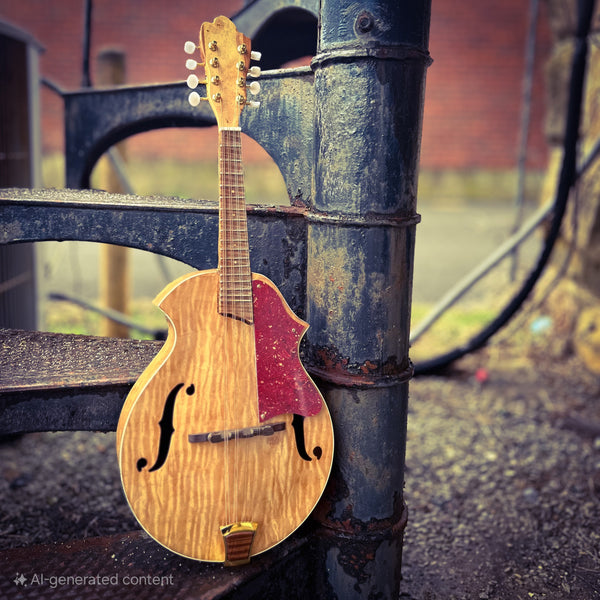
{"x": 225, "y": 55}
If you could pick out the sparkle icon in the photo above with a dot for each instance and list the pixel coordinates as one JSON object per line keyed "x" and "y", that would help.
{"x": 20, "y": 579}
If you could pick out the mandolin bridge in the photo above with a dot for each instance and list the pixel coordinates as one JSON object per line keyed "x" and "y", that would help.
{"x": 214, "y": 437}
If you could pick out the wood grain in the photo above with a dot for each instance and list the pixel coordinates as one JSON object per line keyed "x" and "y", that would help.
{"x": 202, "y": 486}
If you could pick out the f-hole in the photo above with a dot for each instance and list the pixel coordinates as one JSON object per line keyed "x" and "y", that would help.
{"x": 298, "y": 425}
{"x": 166, "y": 429}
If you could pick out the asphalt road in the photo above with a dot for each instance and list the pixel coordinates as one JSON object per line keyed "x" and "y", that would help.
{"x": 453, "y": 239}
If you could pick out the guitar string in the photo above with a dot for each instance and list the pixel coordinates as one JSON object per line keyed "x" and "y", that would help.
{"x": 230, "y": 311}
{"x": 233, "y": 290}
{"x": 223, "y": 301}
{"x": 242, "y": 257}
{"x": 237, "y": 304}
{"x": 235, "y": 267}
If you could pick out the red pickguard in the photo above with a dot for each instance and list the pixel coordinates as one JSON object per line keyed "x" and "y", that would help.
{"x": 283, "y": 384}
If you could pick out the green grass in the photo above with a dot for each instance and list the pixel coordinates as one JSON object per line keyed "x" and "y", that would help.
{"x": 456, "y": 326}
{"x": 64, "y": 317}
{"x": 476, "y": 185}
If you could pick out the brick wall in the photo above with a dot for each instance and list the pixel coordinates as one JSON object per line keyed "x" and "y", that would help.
{"x": 473, "y": 93}
{"x": 474, "y": 87}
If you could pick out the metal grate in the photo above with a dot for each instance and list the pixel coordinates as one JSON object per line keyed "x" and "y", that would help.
{"x": 135, "y": 566}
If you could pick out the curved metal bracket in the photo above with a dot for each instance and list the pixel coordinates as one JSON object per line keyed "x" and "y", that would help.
{"x": 98, "y": 119}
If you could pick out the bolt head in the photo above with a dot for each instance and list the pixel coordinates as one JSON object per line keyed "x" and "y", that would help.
{"x": 364, "y": 22}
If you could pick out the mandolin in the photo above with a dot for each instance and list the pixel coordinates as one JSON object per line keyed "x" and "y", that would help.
{"x": 225, "y": 443}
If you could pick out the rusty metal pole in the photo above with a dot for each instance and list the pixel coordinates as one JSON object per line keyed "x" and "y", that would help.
{"x": 369, "y": 88}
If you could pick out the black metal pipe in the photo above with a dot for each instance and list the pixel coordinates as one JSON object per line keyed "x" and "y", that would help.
{"x": 368, "y": 89}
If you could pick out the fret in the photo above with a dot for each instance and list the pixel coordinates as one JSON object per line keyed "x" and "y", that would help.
{"x": 237, "y": 299}
{"x": 235, "y": 249}
{"x": 240, "y": 290}
{"x": 241, "y": 282}
{"x": 233, "y": 272}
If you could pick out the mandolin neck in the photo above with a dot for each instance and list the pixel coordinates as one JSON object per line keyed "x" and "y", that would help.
{"x": 235, "y": 276}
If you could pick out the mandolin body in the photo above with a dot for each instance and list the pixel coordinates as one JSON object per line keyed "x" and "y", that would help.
{"x": 238, "y": 385}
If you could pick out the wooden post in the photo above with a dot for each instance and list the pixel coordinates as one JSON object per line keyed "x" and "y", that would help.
{"x": 114, "y": 260}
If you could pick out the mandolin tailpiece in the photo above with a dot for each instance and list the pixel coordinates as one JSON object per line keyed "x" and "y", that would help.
{"x": 238, "y": 538}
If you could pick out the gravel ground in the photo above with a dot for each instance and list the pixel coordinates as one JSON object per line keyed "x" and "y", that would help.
{"x": 502, "y": 483}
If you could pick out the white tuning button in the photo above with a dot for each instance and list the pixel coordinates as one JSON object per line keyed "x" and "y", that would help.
{"x": 253, "y": 103}
{"x": 254, "y": 88}
{"x": 189, "y": 47}
{"x": 194, "y": 98}
{"x": 193, "y": 81}
{"x": 190, "y": 64}
{"x": 254, "y": 71}
{"x": 254, "y": 55}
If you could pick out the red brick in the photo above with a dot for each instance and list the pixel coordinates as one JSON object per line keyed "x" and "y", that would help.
{"x": 473, "y": 92}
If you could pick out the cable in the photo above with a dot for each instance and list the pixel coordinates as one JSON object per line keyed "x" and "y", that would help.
{"x": 108, "y": 313}
{"x": 566, "y": 179}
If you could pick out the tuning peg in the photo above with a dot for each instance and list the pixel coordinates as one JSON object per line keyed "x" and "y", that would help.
{"x": 194, "y": 98}
{"x": 190, "y": 64}
{"x": 254, "y": 71}
{"x": 253, "y": 103}
{"x": 254, "y": 88}
{"x": 192, "y": 81}
{"x": 189, "y": 47}
{"x": 255, "y": 55}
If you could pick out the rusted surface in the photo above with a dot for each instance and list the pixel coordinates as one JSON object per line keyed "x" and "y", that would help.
{"x": 185, "y": 230}
{"x": 359, "y": 281}
{"x": 135, "y": 566}
{"x": 367, "y": 220}
{"x": 356, "y": 550}
{"x": 335, "y": 369}
{"x": 35, "y": 360}
{"x": 366, "y": 487}
{"x": 346, "y": 524}
{"x": 100, "y": 118}
{"x": 58, "y": 382}
{"x": 361, "y": 236}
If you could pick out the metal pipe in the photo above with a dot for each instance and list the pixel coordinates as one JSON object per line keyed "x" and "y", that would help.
{"x": 525, "y": 118}
{"x": 368, "y": 90}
